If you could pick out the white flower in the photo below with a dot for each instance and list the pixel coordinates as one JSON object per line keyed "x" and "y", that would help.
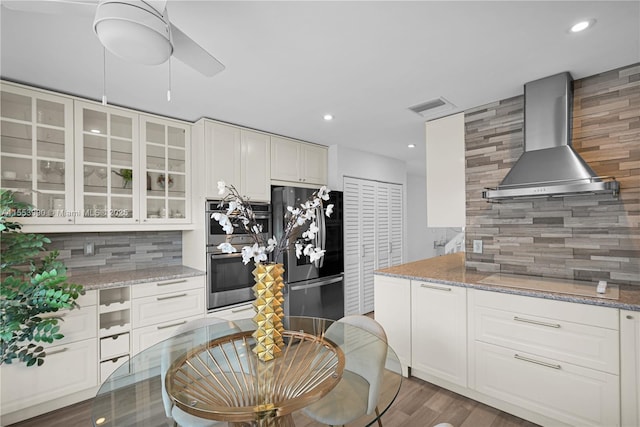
{"x": 256, "y": 252}
{"x": 310, "y": 234}
{"x": 271, "y": 244}
{"x": 323, "y": 192}
{"x": 316, "y": 254}
{"x": 221, "y": 187}
{"x": 329, "y": 210}
{"x": 232, "y": 207}
{"x": 298, "y": 250}
{"x": 224, "y": 222}
{"x": 227, "y": 248}
{"x": 308, "y": 249}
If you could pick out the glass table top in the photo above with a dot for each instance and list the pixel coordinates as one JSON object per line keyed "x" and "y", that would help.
{"x": 134, "y": 394}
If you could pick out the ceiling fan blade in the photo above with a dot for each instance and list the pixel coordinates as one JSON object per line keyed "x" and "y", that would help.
{"x": 192, "y": 54}
{"x": 54, "y": 7}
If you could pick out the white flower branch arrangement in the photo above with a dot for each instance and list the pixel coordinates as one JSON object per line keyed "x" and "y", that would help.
{"x": 240, "y": 214}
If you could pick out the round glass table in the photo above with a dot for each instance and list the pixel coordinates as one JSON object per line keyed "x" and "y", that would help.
{"x": 209, "y": 376}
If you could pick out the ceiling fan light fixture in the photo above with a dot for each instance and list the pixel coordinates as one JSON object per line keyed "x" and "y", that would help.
{"x": 134, "y": 32}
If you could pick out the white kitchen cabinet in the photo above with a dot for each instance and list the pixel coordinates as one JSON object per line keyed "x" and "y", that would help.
{"x": 439, "y": 332}
{"x": 159, "y": 307}
{"x": 239, "y": 157}
{"x": 554, "y": 358}
{"x": 106, "y": 154}
{"x": 630, "y": 368}
{"x": 36, "y": 152}
{"x": 445, "y": 171}
{"x": 70, "y": 366}
{"x": 298, "y": 162}
{"x": 165, "y": 168}
{"x": 392, "y": 309}
{"x": 372, "y": 235}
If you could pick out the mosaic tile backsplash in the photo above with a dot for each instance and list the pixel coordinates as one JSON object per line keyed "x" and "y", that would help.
{"x": 118, "y": 251}
{"x": 582, "y": 237}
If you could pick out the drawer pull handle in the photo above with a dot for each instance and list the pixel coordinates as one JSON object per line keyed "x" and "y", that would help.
{"x": 629, "y": 316}
{"x": 238, "y": 310}
{"x": 438, "y": 288}
{"x": 62, "y": 350}
{"x": 171, "y": 325}
{"x": 173, "y": 282}
{"x": 536, "y": 322}
{"x": 171, "y": 297}
{"x": 537, "y": 362}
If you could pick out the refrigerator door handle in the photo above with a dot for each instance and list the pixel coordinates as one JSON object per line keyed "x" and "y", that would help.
{"x": 317, "y": 284}
{"x": 324, "y": 233}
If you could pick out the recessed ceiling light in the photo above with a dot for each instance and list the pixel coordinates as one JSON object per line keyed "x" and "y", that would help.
{"x": 411, "y": 145}
{"x": 95, "y": 130}
{"x": 328, "y": 117}
{"x": 100, "y": 420}
{"x": 582, "y": 25}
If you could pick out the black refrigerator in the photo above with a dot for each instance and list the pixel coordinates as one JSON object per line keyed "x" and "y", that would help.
{"x": 312, "y": 289}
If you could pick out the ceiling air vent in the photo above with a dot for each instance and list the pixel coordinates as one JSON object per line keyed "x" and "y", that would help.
{"x": 433, "y": 107}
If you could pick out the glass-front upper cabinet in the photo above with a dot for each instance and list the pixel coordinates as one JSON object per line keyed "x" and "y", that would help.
{"x": 36, "y": 153}
{"x": 107, "y": 171}
{"x": 165, "y": 163}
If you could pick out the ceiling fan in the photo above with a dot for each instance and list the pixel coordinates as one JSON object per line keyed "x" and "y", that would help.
{"x": 135, "y": 30}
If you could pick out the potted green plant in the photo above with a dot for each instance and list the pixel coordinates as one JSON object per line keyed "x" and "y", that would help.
{"x": 31, "y": 286}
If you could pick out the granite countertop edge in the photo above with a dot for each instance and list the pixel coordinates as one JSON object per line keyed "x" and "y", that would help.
{"x": 97, "y": 281}
{"x": 626, "y": 291}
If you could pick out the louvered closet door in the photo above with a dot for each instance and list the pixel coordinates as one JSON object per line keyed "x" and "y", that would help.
{"x": 352, "y": 270}
{"x": 396, "y": 224}
{"x": 367, "y": 242}
{"x": 373, "y": 237}
{"x": 383, "y": 226}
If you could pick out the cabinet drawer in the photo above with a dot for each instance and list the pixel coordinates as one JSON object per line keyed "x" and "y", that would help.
{"x": 76, "y": 325}
{"x": 108, "y": 367}
{"x": 166, "y": 307}
{"x": 562, "y": 391}
{"x": 67, "y": 369}
{"x": 116, "y": 345}
{"x": 167, "y": 286}
{"x": 244, "y": 311}
{"x": 150, "y": 335}
{"x": 582, "y": 345}
{"x": 89, "y": 297}
{"x": 602, "y": 317}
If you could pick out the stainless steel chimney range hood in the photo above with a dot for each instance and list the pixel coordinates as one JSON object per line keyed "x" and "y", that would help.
{"x": 549, "y": 165}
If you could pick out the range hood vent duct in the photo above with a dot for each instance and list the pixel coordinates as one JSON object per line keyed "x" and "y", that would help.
{"x": 549, "y": 165}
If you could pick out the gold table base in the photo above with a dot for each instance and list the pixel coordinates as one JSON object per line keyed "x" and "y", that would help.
{"x": 223, "y": 380}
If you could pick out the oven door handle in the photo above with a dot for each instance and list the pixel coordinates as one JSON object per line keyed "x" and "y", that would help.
{"x": 223, "y": 256}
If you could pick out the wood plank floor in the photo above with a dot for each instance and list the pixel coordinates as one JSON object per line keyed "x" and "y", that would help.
{"x": 419, "y": 404}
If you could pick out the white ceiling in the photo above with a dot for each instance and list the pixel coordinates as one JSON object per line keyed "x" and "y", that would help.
{"x": 288, "y": 63}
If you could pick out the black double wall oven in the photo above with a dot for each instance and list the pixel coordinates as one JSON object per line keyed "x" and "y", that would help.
{"x": 229, "y": 280}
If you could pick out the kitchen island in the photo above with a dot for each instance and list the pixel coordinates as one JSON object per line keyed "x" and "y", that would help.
{"x": 450, "y": 270}
{"x": 548, "y": 350}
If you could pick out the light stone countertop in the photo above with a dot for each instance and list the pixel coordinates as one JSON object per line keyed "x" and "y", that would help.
{"x": 124, "y": 278}
{"x": 450, "y": 270}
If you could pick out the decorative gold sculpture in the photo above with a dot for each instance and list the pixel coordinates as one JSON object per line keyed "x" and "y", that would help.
{"x": 269, "y": 311}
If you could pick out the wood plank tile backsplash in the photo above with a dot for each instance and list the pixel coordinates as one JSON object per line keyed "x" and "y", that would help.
{"x": 580, "y": 237}
{"x": 118, "y": 251}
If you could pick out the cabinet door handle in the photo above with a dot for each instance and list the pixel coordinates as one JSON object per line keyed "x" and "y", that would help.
{"x": 171, "y": 325}
{"x": 238, "y": 310}
{"x": 629, "y": 316}
{"x": 171, "y": 297}
{"x": 438, "y": 288}
{"x": 173, "y": 282}
{"x": 536, "y": 322}
{"x": 62, "y": 350}
{"x": 537, "y": 362}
